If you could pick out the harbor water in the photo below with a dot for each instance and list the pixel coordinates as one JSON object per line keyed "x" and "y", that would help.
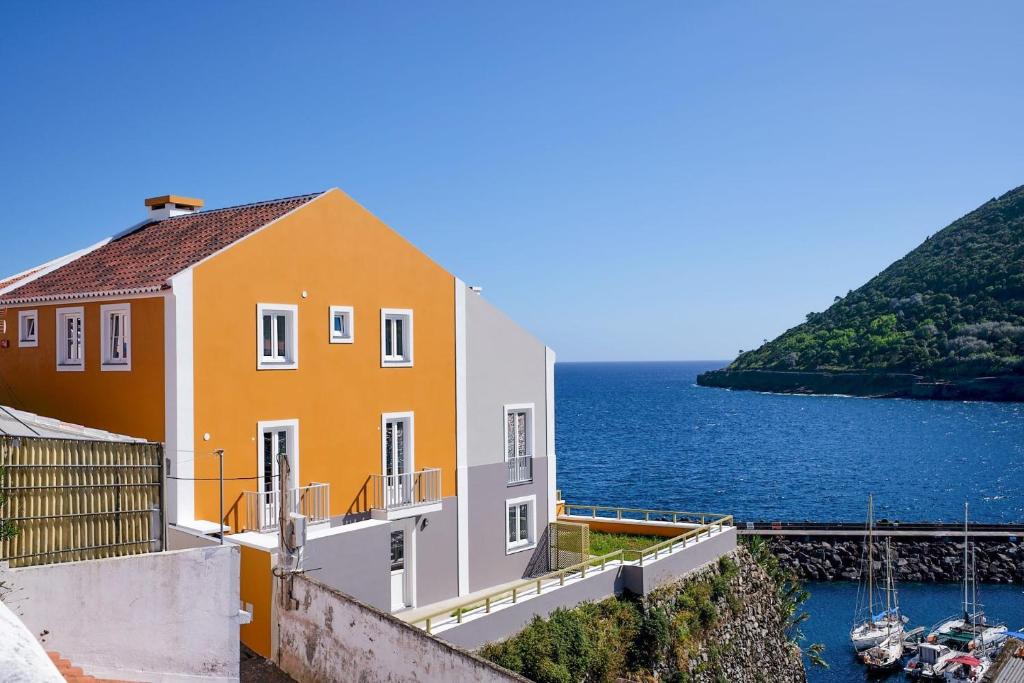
{"x": 645, "y": 435}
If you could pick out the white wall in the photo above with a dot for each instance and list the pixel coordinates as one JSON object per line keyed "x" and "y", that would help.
{"x": 169, "y": 616}
{"x": 22, "y": 658}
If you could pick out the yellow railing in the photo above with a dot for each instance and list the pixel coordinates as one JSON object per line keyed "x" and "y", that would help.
{"x": 536, "y": 585}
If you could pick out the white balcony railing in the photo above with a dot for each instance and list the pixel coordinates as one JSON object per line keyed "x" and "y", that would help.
{"x": 398, "y": 491}
{"x": 263, "y": 508}
{"x": 520, "y": 469}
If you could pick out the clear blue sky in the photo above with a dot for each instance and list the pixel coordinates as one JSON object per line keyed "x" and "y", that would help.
{"x": 628, "y": 180}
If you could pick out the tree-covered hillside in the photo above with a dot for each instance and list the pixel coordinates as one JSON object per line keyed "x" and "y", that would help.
{"x": 953, "y": 307}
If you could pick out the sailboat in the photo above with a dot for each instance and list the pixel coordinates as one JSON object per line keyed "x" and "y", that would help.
{"x": 888, "y": 653}
{"x": 871, "y": 629}
{"x": 962, "y": 646}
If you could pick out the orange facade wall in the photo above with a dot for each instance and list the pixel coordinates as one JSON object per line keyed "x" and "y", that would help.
{"x": 256, "y": 589}
{"x": 338, "y": 254}
{"x": 129, "y": 402}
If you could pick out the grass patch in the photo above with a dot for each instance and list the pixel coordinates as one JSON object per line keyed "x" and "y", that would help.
{"x": 602, "y": 542}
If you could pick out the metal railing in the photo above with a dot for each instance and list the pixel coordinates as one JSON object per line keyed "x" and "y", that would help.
{"x": 536, "y": 586}
{"x": 639, "y": 514}
{"x": 262, "y": 508}
{"x": 520, "y": 469}
{"x": 397, "y": 491}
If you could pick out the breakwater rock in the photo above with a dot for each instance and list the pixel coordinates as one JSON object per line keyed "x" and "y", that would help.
{"x": 929, "y": 560}
{"x": 871, "y": 384}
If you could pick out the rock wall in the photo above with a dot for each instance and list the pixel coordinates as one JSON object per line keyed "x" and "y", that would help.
{"x": 935, "y": 560}
{"x": 874, "y": 384}
{"x": 748, "y": 641}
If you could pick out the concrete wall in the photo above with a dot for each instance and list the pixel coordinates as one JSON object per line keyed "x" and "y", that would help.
{"x": 182, "y": 539}
{"x": 355, "y": 559}
{"x": 504, "y": 365}
{"x": 332, "y": 637}
{"x": 642, "y": 580}
{"x": 155, "y": 617}
{"x": 437, "y": 560}
{"x": 508, "y": 619}
{"x": 489, "y": 565}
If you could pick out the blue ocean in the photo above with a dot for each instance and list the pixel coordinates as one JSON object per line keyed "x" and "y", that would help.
{"x": 645, "y": 435}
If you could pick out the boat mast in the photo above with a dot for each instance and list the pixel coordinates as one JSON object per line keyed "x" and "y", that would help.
{"x": 888, "y": 585}
{"x": 966, "y": 614}
{"x": 871, "y": 559}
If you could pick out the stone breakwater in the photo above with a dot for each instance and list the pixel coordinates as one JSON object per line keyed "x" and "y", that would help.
{"x": 928, "y": 560}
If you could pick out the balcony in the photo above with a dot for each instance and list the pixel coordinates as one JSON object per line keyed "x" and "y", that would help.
{"x": 396, "y": 496}
{"x": 520, "y": 470}
{"x": 262, "y": 509}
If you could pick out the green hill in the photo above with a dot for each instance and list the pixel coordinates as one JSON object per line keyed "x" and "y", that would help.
{"x": 952, "y": 308}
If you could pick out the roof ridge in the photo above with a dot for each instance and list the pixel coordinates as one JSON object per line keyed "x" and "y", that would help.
{"x": 240, "y": 206}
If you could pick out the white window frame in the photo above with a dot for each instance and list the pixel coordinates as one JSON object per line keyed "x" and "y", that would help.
{"x": 291, "y": 359}
{"x": 107, "y": 363}
{"x": 22, "y": 317}
{"x": 531, "y": 523}
{"x": 292, "y": 428}
{"x": 349, "y": 313}
{"x": 63, "y": 363}
{"x": 393, "y": 361}
{"x": 516, "y": 408}
{"x": 410, "y": 438}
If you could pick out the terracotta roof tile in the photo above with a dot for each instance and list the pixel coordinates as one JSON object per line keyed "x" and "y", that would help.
{"x": 143, "y": 260}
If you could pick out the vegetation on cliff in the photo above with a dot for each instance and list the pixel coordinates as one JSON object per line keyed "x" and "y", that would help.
{"x": 951, "y": 308}
{"x": 721, "y": 624}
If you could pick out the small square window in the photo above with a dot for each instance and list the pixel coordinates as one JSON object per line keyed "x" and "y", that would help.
{"x": 520, "y": 523}
{"x": 395, "y": 337}
{"x": 70, "y": 339}
{"x": 116, "y": 324}
{"x": 28, "y": 328}
{"x": 277, "y": 337}
{"x": 342, "y": 322}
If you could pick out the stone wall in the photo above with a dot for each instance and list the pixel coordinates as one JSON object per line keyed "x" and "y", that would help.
{"x": 935, "y": 560}
{"x": 333, "y": 637}
{"x": 748, "y": 641}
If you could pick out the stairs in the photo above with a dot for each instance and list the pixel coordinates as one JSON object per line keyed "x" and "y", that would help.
{"x": 72, "y": 673}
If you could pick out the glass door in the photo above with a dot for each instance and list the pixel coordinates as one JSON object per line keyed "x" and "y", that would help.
{"x": 397, "y": 463}
{"x": 275, "y": 444}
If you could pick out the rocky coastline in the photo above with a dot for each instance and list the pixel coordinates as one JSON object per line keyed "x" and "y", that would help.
{"x": 868, "y": 384}
{"x": 925, "y": 560}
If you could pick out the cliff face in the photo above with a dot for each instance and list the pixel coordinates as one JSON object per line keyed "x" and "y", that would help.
{"x": 748, "y": 641}
{"x": 951, "y": 310}
{"x": 724, "y": 621}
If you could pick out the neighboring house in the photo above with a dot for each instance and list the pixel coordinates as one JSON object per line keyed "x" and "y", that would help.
{"x": 416, "y": 420}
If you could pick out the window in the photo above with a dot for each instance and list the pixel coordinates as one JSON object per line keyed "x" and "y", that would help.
{"x": 519, "y": 524}
{"x": 70, "y": 339}
{"x": 277, "y": 337}
{"x": 28, "y": 328}
{"x": 342, "y": 325}
{"x": 395, "y": 337}
{"x": 116, "y": 323}
{"x": 519, "y": 442}
{"x": 397, "y": 551}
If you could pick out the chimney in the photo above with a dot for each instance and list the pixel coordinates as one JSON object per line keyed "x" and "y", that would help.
{"x": 169, "y": 205}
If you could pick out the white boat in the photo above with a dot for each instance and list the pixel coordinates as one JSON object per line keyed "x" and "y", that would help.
{"x": 871, "y": 629}
{"x": 930, "y": 661}
{"x": 967, "y": 669}
{"x": 884, "y": 656}
{"x": 969, "y": 635}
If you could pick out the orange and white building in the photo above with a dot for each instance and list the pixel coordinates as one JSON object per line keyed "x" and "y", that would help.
{"x": 416, "y": 420}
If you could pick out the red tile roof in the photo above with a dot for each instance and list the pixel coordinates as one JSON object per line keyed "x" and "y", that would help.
{"x": 143, "y": 259}
{"x": 7, "y": 282}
